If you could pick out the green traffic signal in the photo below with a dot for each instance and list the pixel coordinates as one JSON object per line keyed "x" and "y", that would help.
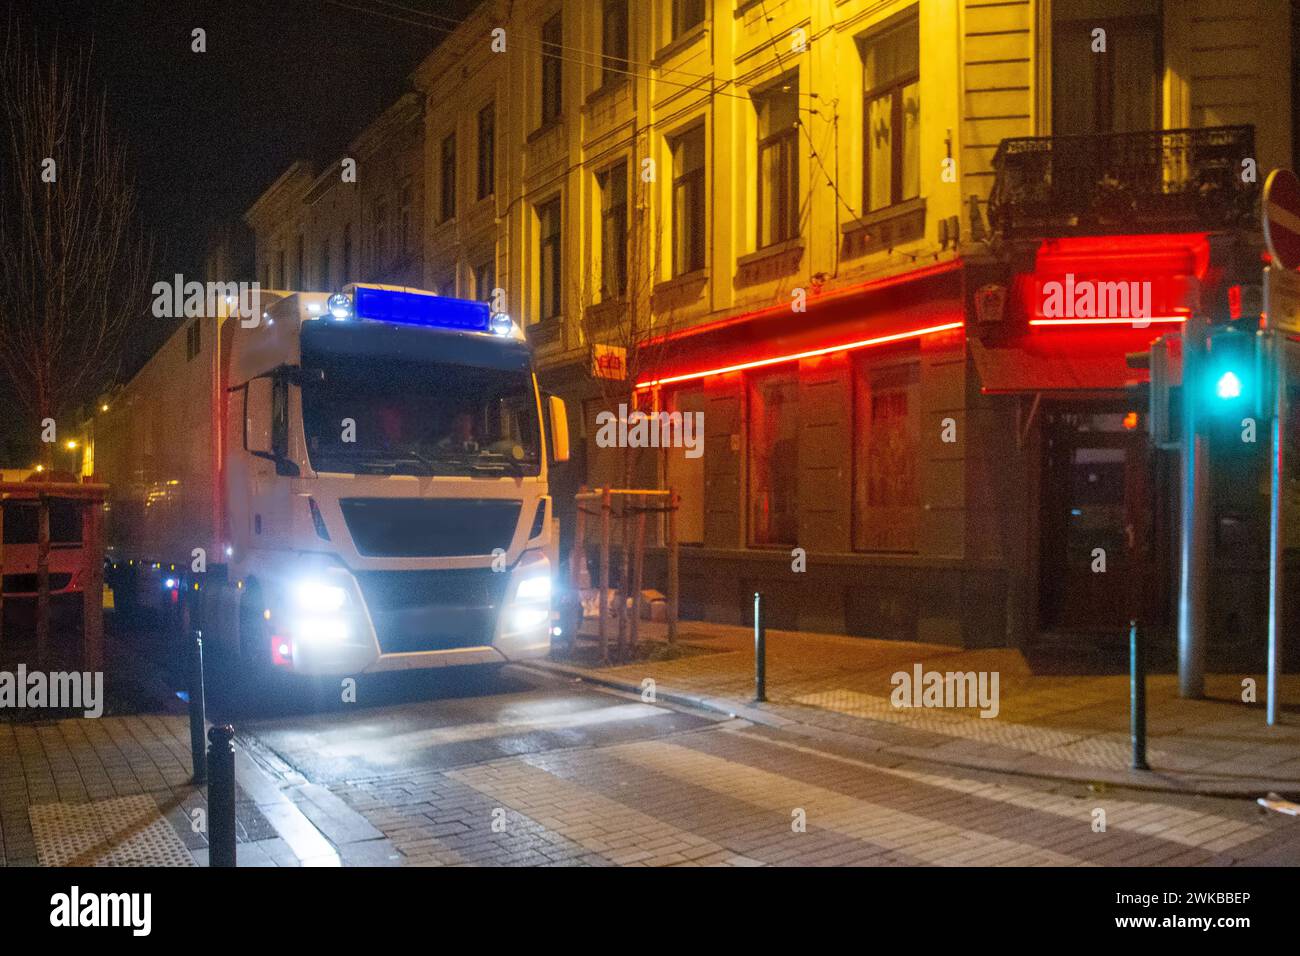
{"x": 1230, "y": 371}
{"x": 1229, "y": 385}
{"x": 1234, "y": 383}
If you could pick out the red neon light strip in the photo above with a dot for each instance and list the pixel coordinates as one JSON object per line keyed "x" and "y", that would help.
{"x": 1136, "y": 322}
{"x": 795, "y": 356}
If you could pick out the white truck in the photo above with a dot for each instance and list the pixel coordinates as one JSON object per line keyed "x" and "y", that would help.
{"x": 355, "y": 483}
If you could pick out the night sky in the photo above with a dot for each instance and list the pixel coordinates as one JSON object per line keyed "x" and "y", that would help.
{"x": 208, "y": 132}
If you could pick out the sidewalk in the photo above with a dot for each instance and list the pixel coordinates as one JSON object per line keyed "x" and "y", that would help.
{"x": 1073, "y": 728}
{"x": 116, "y": 791}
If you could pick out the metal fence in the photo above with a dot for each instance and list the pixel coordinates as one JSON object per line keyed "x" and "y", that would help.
{"x": 88, "y": 499}
{"x": 1177, "y": 180}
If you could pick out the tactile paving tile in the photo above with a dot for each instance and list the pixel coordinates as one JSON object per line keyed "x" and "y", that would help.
{"x": 123, "y": 831}
{"x": 1082, "y": 747}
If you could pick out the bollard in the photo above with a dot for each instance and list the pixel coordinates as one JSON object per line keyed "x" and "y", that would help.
{"x": 221, "y": 796}
{"x": 1137, "y": 697}
{"x": 198, "y": 717}
{"x": 760, "y": 651}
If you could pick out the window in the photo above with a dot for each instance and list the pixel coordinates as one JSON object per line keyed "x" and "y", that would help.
{"x": 347, "y": 254}
{"x": 684, "y": 473}
{"x": 778, "y": 163}
{"x": 613, "y": 232}
{"x": 613, "y": 41}
{"x": 552, "y": 70}
{"x": 487, "y": 151}
{"x": 548, "y": 257}
{"x": 891, "y": 115}
{"x": 686, "y": 14}
{"x": 281, "y": 277}
{"x": 280, "y": 418}
{"x": 886, "y": 444}
{"x": 1117, "y": 91}
{"x": 301, "y": 263}
{"x": 193, "y": 340}
{"x": 688, "y": 201}
{"x": 447, "y": 210}
{"x": 773, "y": 458}
{"x": 266, "y": 276}
{"x": 325, "y": 283}
{"x": 485, "y": 280}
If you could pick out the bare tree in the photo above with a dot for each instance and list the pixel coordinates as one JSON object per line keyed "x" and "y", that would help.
{"x": 632, "y": 324}
{"x": 74, "y": 263}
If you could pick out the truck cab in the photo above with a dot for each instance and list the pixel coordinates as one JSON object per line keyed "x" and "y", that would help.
{"x": 383, "y": 486}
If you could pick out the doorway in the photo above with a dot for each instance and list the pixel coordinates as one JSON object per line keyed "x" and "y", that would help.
{"x": 1099, "y": 564}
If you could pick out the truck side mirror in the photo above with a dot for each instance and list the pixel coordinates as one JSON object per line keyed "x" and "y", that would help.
{"x": 559, "y": 422}
{"x": 257, "y": 417}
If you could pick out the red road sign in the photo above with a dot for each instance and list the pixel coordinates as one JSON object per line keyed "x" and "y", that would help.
{"x": 1281, "y": 215}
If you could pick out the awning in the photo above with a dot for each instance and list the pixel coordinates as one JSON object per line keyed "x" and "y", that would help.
{"x": 1054, "y": 360}
{"x": 901, "y": 311}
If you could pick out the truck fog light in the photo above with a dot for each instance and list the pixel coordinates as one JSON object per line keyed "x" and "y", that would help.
{"x": 281, "y": 651}
{"x": 527, "y": 618}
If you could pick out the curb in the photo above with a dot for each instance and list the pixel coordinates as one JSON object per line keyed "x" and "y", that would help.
{"x": 1148, "y": 781}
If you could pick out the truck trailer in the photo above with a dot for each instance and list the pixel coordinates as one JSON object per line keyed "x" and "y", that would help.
{"x": 338, "y": 484}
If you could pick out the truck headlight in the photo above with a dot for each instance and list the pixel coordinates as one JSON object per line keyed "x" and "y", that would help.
{"x": 319, "y": 596}
{"x": 535, "y": 588}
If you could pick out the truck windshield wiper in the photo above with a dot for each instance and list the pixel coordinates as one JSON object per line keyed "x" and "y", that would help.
{"x": 515, "y": 468}
{"x": 365, "y": 459}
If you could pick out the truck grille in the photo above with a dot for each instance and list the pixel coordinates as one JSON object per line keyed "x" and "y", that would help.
{"x": 429, "y": 527}
{"x": 433, "y": 610}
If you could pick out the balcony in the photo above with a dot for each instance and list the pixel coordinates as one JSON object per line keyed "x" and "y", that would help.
{"x": 1177, "y": 180}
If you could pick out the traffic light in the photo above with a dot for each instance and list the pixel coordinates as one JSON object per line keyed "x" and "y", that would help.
{"x": 1234, "y": 391}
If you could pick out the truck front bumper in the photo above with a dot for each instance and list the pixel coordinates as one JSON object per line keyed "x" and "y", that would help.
{"x": 413, "y": 620}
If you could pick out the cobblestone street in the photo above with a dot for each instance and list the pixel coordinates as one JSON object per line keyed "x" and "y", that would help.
{"x": 538, "y": 770}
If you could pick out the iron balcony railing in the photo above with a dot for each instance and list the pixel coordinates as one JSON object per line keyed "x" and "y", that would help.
{"x": 1159, "y": 181}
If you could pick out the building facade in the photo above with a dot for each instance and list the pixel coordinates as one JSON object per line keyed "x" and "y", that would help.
{"x": 832, "y": 227}
{"x": 359, "y": 218}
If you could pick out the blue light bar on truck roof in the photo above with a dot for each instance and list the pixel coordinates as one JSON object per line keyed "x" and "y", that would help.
{"x": 421, "y": 308}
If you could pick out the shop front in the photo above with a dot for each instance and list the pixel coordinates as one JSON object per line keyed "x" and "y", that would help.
{"x": 838, "y": 466}
{"x": 1099, "y": 497}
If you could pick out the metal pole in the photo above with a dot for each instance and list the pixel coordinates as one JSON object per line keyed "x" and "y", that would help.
{"x": 1275, "y": 569}
{"x": 221, "y": 796}
{"x": 42, "y": 578}
{"x": 674, "y": 577}
{"x": 198, "y": 716}
{"x": 2, "y": 570}
{"x": 638, "y": 578}
{"x": 1194, "y": 507}
{"x": 92, "y": 592}
{"x": 760, "y": 650}
{"x": 604, "y": 575}
{"x": 1137, "y": 667}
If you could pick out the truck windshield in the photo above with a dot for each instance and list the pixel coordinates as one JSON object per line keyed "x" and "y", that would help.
{"x": 372, "y": 415}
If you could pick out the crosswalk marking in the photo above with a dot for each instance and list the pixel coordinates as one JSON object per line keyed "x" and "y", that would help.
{"x": 930, "y": 841}
{"x": 1177, "y": 824}
{"x": 597, "y": 823}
